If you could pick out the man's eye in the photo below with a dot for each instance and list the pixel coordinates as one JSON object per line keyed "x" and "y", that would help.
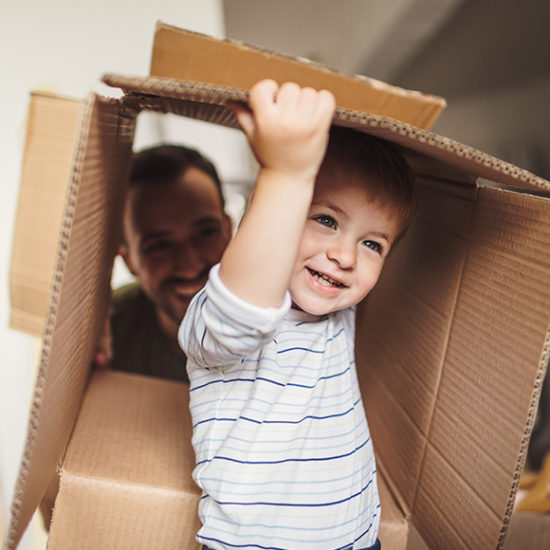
{"x": 373, "y": 245}
{"x": 156, "y": 246}
{"x": 210, "y": 231}
{"x": 325, "y": 220}
{"x": 206, "y": 233}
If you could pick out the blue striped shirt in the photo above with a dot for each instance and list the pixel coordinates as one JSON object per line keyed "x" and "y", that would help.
{"x": 283, "y": 450}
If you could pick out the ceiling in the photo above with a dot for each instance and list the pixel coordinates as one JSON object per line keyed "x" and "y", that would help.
{"x": 450, "y": 48}
{"x": 489, "y": 59}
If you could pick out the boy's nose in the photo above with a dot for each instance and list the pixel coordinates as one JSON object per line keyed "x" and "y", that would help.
{"x": 343, "y": 254}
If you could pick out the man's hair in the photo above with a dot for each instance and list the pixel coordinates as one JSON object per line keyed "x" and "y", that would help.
{"x": 164, "y": 164}
{"x": 380, "y": 164}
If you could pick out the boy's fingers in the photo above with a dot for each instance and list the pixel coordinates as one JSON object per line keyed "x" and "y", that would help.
{"x": 289, "y": 94}
{"x": 263, "y": 93}
{"x": 326, "y": 102}
{"x": 244, "y": 117}
{"x": 308, "y": 101}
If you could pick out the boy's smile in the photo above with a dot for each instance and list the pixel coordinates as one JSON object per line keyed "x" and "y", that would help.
{"x": 345, "y": 242}
{"x": 325, "y": 282}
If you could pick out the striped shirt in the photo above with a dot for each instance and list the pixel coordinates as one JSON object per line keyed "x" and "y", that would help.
{"x": 283, "y": 450}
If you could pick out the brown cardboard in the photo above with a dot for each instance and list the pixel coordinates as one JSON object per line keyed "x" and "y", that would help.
{"x": 123, "y": 417}
{"x": 79, "y": 296}
{"x": 528, "y": 531}
{"x": 186, "y": 55}
{"x": 127, "y": 416}
{"x": 52, "y": 123}
{"x": 394, "y": 526}
{"x": 451, "y": 347}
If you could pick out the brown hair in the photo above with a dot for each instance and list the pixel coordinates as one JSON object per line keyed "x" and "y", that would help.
{"x": 384, "y": 169}
{"x": 166, "y": 163}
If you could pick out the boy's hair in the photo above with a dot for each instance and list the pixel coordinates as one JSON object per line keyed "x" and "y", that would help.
{"x": 164, "y": 164}
{"x": 386, "y": 173}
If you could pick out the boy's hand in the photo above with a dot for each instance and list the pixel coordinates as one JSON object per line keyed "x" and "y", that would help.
{"x": 287, "y": 127}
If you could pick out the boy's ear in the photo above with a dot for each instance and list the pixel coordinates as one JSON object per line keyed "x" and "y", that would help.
{"x": 124, "y": 253}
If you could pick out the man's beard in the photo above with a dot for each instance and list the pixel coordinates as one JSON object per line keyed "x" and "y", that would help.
{"x": 166, "y": 305}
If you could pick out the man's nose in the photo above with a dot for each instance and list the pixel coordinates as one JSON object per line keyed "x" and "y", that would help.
{"x": 343, "y": 252}
{"x": 186, "y": 258}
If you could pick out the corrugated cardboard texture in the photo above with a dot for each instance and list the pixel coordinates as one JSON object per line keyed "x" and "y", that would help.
{"x": 528, "y": 532}
{"x": 496, "y": 343}
{"x": 126, "y": 479}
{"x": 394, "y": 527}
{"x": 449, "y": 344}
{"x": 450, "y": 349}
{"x": 52, "y": 124}
{"x": 78, "y": 298}
{"x": 186, "y": 55}
{"x": 401, "y": 365}
{"x": 207, "y": 102}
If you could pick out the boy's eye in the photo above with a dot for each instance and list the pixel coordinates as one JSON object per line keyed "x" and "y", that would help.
{"x": 323, "y": 219}
{"x": 373, "y": 245}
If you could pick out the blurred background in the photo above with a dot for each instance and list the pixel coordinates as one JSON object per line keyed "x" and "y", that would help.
{"x": 488, "y": 59}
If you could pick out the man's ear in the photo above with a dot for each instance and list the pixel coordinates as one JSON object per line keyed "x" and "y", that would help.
{"x": 228, "y": 226}
{"x": 124, "y": 253}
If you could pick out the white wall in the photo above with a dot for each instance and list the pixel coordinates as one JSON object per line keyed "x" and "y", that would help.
{"x": 64, "y": 46}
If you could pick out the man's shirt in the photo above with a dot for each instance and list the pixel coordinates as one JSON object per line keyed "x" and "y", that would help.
{"x": 138, "y": 342}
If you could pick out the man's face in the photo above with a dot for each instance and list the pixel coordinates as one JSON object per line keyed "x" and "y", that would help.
{"x": 174, "y": 234}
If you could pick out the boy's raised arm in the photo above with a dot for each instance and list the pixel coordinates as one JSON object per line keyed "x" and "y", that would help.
{"x": 287, "y": 128}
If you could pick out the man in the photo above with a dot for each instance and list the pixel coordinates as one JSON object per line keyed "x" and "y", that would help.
{"x": 175, "y": 230}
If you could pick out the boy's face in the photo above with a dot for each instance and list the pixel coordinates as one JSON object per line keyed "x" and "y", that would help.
{"x": 345, "y": 242}
{"x": 174, "y": 234}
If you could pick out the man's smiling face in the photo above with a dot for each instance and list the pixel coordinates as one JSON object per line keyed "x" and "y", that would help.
{"x": 174, "y": 233}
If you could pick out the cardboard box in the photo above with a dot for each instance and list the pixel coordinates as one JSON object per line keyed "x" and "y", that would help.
{"x": 52, "y": 129}
{"x": 186, "y": 55}
{"x": 528, "y": 531}
{"x": 451, "y": 348}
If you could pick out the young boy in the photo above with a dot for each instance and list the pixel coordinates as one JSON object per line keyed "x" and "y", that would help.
{"x": 284, "y": 455}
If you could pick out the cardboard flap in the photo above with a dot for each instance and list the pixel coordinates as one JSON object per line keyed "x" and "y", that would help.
{"x": 52, "y": 124}
{"x": 403, "y": 327}
{"x": 186, "y": 55}
{"x": 528, "y": 530}
{"x": 206, "y": 101}
{"x": 491, "y": 377}
{"x": 451, "y": 348}
{"x": 78, "y": 299}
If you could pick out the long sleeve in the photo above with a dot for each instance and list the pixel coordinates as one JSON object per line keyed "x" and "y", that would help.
{"x": 279, "y": 428}
{"x": 219, "y": 328}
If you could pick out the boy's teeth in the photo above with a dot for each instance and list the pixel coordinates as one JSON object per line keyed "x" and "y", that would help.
{"x": 324, "y": 278}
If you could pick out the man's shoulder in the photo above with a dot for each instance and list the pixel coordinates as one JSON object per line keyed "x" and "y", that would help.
{"x": 128, "y": 295}
{"x": 130, "y": 306}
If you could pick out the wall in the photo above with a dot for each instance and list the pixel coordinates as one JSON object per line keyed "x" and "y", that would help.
{"x": 510, "y": 123}
{"x": 65, "y": 46}
{"x": 490, "y": 62}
